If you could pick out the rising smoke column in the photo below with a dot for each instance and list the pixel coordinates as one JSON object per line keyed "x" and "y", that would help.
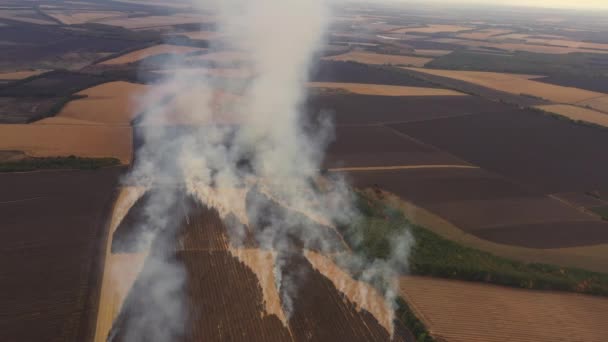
{"x": 188, "y": 145}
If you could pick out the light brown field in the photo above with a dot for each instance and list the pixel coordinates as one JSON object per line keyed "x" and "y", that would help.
{"x": 157, "y": 21}
{"x": 483, "y": 34}
{"x": 517, "y": 84}
{"x": 151, "y": 51}
{"x": 18, "y": 75}
{"x": 599, "y": 103}
{"x": 577, "y": 113}
{"x": 112, "y": 103}
{"x": 53, "y": 140}
{"x": 458, "y": 311}
{"x": 375, "y": 58}
{"x": 515, "y": 46}
{"x": 433, "y": 29}
{"x": 594, "y": 258}
{"x": 73, "y": 17}
{"x": 553, "y": 40}
{"x": 165, "y": 3}
{"x": 432, "y": 53}
{"x": 385, "y": 90}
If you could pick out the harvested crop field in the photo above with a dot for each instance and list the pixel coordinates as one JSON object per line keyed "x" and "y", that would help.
{"x": 577, "y": 113}
{"x": 376, "y": 58}
{"x": 600, "y": 103}
{"x": 113, "y": 103}
{"x": 56, "y": 140}
{"x": 52, "y": 231}
{"x": 467, "y": 312}
{"x": 517, "y": 84}
{"x": 483, "y": 34}
{"x": 18, "y": 75}
{"x": 535, "y": 149}
{"x": 431, "y": 53}
{"x": 74, "y": 17}
{"x": 507, "y": 46}
{"x": 226, "y": 280}
{"x": 151, "y": 51}
{"x": 370, "y": 146}
{"x": 384, "y": 90}
{"x": 201, "y": 35}
{"x": 433, "y": 29}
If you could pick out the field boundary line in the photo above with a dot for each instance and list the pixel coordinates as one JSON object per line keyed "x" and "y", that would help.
{"x": 402, "y": 167}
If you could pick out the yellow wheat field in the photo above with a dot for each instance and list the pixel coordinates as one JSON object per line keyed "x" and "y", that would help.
{"x": 18, "y": 75}
{"x": 151, "y": 51}
{"x": 577, "y": 113}
{"x": 517, "y": 84}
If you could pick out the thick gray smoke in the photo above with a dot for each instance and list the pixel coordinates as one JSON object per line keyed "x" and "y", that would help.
{"x": 218, "y": 138}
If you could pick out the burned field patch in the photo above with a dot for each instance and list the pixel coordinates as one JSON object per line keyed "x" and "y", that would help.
{"x": 540, "y": 151}
{"x": 16, "y": 110}
{"x": 224, "y": 296}
{"x": 51, "y": 234}
{"x": 51, "y": 84}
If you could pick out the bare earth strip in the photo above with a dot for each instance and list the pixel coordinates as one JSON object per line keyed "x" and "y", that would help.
{"x": 594, "y": 258}
{"x": 65, "y": 140}
{"x": 515, "y": 84}
{"x": 458, "y": 311}
{"x": 599, "y": 103}
{"x": 385, "y": 90}
{"x": 483, "y": 34}
{"x": 432, "y": 53}
{"x": 516, "y": 46}
{"x": 18, "y": 75}
{"x": 151, "y": 51}
{"x": 402, "y": 167}
{"x": 577, "y": 113}
{"x": 376, "y": 58}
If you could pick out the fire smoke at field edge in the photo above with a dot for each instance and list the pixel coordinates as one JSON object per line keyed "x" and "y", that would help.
{"x": 283, "y": 148}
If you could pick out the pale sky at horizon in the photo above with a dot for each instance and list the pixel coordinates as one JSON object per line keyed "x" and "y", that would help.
{"x": 567, "y": 4}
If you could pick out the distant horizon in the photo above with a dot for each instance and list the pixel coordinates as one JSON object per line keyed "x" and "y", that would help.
{"x": 547, "y": 4}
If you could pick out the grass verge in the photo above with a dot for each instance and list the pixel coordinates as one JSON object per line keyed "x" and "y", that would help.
{"x": 50, "y": 163}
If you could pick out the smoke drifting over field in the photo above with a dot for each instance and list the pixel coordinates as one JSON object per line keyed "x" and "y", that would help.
{"x": 220, "y": 139}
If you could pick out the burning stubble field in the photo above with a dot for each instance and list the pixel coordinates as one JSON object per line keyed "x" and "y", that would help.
{"x": 53, "y": 229}
{"x": 231, "y": 291}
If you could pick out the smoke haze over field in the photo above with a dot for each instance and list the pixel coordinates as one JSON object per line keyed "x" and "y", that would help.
{"x": 565, "y": 4}
{"x": 266, "y": 146}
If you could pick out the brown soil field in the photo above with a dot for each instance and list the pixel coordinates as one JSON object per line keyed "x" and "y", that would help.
{"x": 593, "y": 258}
{"x": 53, "y": 230}
{"x": 483, "y": 34}
{"x": 222, "y": 282}
{"x": 385, "y": 90}
{"x": 201, "y": 35}
{"x": 538, "y": 150}
{"x": 464, "y": 311}
{"x": 151, "y": 51}
{"x": 578, "y": 113}
{"x": 599, "y": 103}
{"x": 350, "y": 72}
{"x": 18, "y": 75}
{"x": 515, "y": 84}
{"x": 162, "y": 3}
{"x": 354, "y": 109}
{"x": 74, "y": 17}
{"x": 65, "y": 140}
{"x": 375, "y": 58}
{"x": 377, "y": 146}
{"x": 556, "y": 41}
{"x": 113, "y": 103}
{"x": 149, "y": 22}
{"x": 433, "y": 29}
{"x": 432, "y": 53}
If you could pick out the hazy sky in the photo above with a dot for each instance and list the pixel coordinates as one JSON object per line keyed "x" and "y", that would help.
{"x": 582, "y": 4}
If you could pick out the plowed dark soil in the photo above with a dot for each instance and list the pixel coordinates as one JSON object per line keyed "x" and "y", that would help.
{"x": 51, "y": 238}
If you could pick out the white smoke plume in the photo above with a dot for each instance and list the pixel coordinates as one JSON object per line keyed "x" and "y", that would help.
{"x": 219, "y": 138}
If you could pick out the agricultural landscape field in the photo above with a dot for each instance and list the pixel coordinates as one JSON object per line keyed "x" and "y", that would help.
{"x": 312, "y": 171}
